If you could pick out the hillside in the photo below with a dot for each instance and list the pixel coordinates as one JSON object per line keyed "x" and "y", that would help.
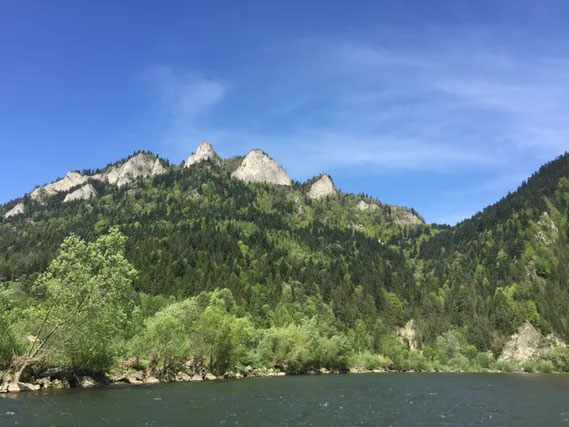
{"x": 370, "y": 280}
{"x": 508, "y": 263}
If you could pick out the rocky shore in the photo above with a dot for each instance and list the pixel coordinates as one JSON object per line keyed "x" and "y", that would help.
{"x": 65, "y": 377}
{"x": 62, "y": 377}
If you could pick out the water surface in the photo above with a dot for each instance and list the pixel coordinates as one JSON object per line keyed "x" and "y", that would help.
{"x": 329, "y": 400}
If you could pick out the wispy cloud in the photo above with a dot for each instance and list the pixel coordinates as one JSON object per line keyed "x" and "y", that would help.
{"x": 338, "y": 104}
{"x": 187, "y": 101}
{"x": 440, "y": 109}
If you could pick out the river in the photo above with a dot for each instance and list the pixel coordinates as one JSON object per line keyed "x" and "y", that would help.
{"x": 325, "y": 400}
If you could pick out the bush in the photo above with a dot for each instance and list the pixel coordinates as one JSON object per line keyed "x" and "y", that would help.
{"x": 418, "y": 362}
{"x": 460, "y": 363}
{"x": 10, "y": 344}
{"x": 506, "y": 366}
{"x": 366, "y": 360}
{"x": 559, "y": 358}
{"x": 484, "y": 360}
{"x": 396, "y": 351}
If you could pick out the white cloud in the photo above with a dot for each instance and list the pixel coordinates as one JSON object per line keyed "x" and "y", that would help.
{"x": 187, "y": 99}
{"x": 337, "y": 104}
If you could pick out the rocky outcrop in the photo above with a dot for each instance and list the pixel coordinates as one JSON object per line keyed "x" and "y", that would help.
{"x": 83, "y": 193}
{"x": 528, "y": 343}
{"x": 323, "y": 187}
{"x": 71, "y": 179}
{"x": 525, "y": 344}
{"x": 15, "y": 386}
{"x": 258, "y": 167}
{"x": 130, "y": 377}
{"x": 547, "y": 231}
{"x": 16, "y": 210}
{"x": 408, "y": 334}
{"x": 402, "y": 216}
{"x": 140, "y": 165}
{"x": 365, "y": 206}
{"x": 204, "y": 152}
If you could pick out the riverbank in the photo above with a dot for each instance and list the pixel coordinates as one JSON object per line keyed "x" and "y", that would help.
{"x": 57, "y": 378}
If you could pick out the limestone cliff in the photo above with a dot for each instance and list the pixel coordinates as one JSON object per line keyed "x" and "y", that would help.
{"x": 408, "y": 334}
{"x": 16, "y": 210}
{"x": 528, "y": 343}
{"x": 365, "y": 206}
{"x": 322, "y": 187}
{"x": 204, "y": 152}
{"x": 140, "y": 165}
{"x": 82, "y": 193}
{"x": 403, "y": 216}
{"x": 70, "y": 180}
{"x": 258, "y": 167}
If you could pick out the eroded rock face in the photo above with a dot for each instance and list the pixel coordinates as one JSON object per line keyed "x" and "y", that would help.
{"x": 321, "y": 188}
{"x": 16, "y": 210}
{"x": 72, "y": 179}
{"x": 204, "y": 152}
{"x": 405, "y": 217}
{"x": 258, "y": 167}
{"x": 82, "y": 193}
{"x": 365, "y": 206}
{"x": 408, "y": 334}
{"x": 527, "y": 343}
{"x": 140, "y": 165}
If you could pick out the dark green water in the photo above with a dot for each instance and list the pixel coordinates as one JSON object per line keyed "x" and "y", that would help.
{"x": 328, "y": 400}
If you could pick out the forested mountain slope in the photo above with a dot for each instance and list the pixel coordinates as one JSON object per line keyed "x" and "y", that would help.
{"x": 292, "y": 253}
{"x": 196, "y": 229}
{"x": 508, "y": 263}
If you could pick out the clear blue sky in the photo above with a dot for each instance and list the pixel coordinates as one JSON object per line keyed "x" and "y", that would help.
{"x": 444, "y": 106}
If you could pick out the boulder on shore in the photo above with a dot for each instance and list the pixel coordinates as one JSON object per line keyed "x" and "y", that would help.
{"x": 210, "y": 377}
{"x": 87, "y": 382}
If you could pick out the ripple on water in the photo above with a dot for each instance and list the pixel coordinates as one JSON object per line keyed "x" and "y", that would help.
{"x": 387, "y": 399}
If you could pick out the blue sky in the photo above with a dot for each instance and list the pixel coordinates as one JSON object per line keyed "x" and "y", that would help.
{"x": 444, "y": 106}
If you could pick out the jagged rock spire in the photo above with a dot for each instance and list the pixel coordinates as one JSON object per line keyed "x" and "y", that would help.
{"x": 204, "y": 152}
{"x": 322, "y": 187}
{"x": 258, "y": 167}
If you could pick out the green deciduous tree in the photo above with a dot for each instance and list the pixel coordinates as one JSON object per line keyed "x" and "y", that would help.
{"x": 88, "y": 297}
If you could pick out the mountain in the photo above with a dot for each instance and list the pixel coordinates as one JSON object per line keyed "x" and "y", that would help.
{"x": 204, "y": 152}
{"x": 322, "y": 187}
{"x": 257, "y": 166}
{"x": 139, "y": 165}
{"x": 509, "y": 262}
{"x": 287, "y": 251}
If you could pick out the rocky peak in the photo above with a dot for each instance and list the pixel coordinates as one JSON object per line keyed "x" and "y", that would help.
{"x": 258, "y": 167}
{"x": 70, "y": 180}
{"x": 322, "y": 187}
{"x": 140, "y": 165}
{"x": 16, "y": 210}
{"x": 204, "y": 152}
{"x": 82, "y": 193}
